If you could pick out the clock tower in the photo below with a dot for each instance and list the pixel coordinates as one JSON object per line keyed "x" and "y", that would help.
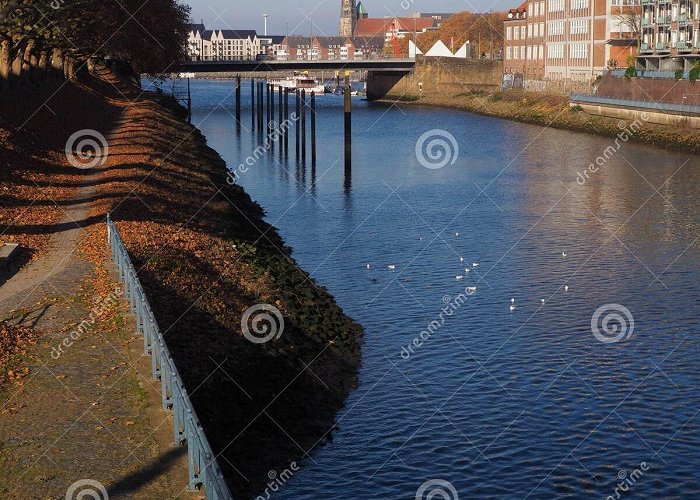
{"x": 348, "y": 17}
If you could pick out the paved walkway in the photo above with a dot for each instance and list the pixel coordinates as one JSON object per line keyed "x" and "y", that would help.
{"x": 90, "y": 412}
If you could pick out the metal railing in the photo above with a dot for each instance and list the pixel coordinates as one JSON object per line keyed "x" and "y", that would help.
{"x": 203, "y": 468}
{"x": 644, "y": 73}
{"x": 636, "y": 103}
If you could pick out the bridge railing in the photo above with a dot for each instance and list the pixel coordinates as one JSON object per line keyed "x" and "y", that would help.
{"x": 374, "y": 57}
{"x": 203, "y": 468}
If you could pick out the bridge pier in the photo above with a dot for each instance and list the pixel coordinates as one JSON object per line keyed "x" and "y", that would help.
{"x": 380, "y": 82}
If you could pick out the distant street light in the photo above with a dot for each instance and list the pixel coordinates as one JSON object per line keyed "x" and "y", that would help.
{"x": 266, "y": 16}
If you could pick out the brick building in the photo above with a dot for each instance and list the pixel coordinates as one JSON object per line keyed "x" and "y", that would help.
{"x": 670, "y": 36}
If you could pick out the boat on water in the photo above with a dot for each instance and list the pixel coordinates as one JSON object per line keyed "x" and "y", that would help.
{"x": 308, "y": 83}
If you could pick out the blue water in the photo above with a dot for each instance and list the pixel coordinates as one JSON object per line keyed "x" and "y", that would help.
{"x": 521, "y": 404}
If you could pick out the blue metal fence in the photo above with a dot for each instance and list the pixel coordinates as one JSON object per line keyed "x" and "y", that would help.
{"x": 635, "y": 103}
{"x": 204, "y": 470}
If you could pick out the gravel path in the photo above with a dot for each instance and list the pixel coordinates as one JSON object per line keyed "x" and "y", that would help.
{"x": 88, "y": 411}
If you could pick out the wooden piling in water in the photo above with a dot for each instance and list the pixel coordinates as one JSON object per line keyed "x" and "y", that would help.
{"x": 296, "y": 128}
{"x": 348, "y": 124}
{"x": 261, "y": 114}
{"x": 189, "y": 102}
{"x": 266, "y": 96}
{"x": 313, "y": 128}
{"x": 303, "y": 126}
{"x": 279, "y": 105}
{"x": 238, "y": 100}
{"x": 286, "y": 117}
{"x": 252, "y": 101}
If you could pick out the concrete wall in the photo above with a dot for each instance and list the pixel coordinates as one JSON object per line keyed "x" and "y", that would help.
{"x": 629, "y": 114}
{"x": 445, "y": 75}
{"x": 651, "y": 89}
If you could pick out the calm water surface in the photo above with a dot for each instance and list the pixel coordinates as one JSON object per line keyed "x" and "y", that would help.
{"x": 501, "y": 404}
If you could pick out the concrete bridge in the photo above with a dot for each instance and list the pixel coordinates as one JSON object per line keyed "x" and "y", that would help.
{"x": 382, "y": 74}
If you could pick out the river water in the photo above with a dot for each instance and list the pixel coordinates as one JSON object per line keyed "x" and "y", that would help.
{"x": 499, "y": 403}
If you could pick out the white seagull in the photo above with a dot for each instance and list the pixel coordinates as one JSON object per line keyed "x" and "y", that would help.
{"x": 471, "y": 289}
{"x": 475, "y": 264}
{"x": 512, "y": 308}
{"x": 566, "y": 288}
{"x": 368, "y": 266}
{"x": 564, "y": 254}
{"x": 392, "y": 266}
{"x": 459, "y": 278}
{"x": 542, "y": 300}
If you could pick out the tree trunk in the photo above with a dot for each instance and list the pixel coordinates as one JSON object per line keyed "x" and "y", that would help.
{"x": 4, "y": 64}
{"x": 26, "y": 61}
{"x": 57, "y": 63}
{"x": 43, "y": 65}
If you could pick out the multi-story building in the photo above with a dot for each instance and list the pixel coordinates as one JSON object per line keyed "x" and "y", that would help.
{"x": 515, "y": 39}
{"x": 335, "y": 48}
{"x": 569, "y": 39}
{"x": 232, "y": 45}
{"x": 300, "y": 48}
{"x": 669, "y": 35}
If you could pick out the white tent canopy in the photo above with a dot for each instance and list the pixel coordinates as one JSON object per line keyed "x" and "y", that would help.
{"x": 439, "y": 50}
{"x": 463, "y": 52}
{"x": 413, "y": 50}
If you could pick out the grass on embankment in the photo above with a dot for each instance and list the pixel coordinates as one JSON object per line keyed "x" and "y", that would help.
{"x": 554, "y": 111}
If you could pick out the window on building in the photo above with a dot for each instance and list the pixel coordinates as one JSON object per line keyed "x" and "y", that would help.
{"x": 509, "y": 52}
{"x": 556, "y": 5}
{"x": 516, "y": 33}
{"x": 509, "y": 33}
{"x": 516, "y": 52}
{"x": 555, "y": 28}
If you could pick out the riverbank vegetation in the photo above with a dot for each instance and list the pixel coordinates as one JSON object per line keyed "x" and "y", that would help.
{"x": 204, "y": 254}
{"x": 551, "y": 110}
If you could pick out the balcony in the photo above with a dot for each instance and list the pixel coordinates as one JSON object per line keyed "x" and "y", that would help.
{"x": 661, "y": 46}
{"x": 644, "y": 47}
{"x": 682, "y": 18}
{"x": 683, "y": 45}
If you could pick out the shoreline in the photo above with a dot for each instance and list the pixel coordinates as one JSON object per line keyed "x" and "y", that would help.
{"x": 205, "y": 256}
{"x": 553, "y": 111}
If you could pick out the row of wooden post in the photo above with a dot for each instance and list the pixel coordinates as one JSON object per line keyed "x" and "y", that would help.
{"x": 266, "y": 92}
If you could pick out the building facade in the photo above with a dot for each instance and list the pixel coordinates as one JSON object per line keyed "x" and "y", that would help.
{"x": 669, "y": 35}
{"x": 514, "y": 59}
{"x": 348, "y": 18}
{"x": 571, "y": 40}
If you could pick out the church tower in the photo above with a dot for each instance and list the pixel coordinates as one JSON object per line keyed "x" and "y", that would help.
{"x": 348, "y": 17}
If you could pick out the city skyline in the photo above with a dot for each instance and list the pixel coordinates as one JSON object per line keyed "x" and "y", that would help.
{"x": 324, "y": 13}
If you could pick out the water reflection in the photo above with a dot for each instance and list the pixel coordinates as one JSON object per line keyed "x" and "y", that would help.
{"x": 517, "y": 392}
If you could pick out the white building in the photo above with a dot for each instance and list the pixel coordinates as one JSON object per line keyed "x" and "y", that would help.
{"x": 232, "y": 45}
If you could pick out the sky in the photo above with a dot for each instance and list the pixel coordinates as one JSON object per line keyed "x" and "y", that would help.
{"x": 248, "y": 14}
